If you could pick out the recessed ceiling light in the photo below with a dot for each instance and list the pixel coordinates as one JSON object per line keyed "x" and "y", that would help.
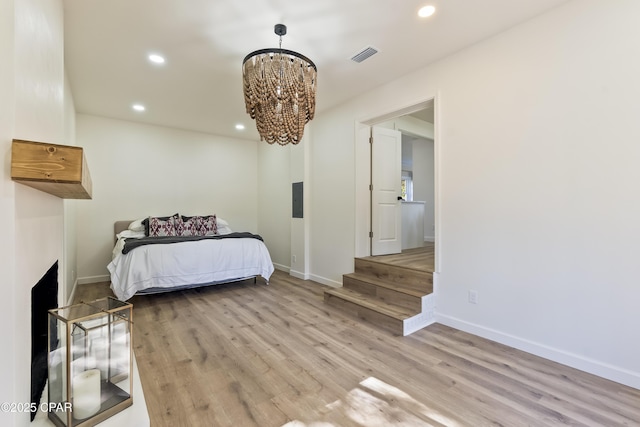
{"x": 426, "y": 11}
{"x": 138, "y": 107}
{"x": 157, "y": 59}
{"x": 239, "y": 126}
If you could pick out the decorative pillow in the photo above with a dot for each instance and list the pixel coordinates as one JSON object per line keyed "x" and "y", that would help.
{"x": 188, "y": 226}
{"x": 209, "y": 226}
{"x": 159, "y": 227}
{"x": 145, "y": 222}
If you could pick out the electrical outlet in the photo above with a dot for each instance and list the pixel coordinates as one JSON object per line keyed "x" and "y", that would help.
{"x": 473, "y": 297}
{"x": 293, "y": 259}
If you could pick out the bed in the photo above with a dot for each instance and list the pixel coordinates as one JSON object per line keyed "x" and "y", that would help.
{"x": 150, "y": 259}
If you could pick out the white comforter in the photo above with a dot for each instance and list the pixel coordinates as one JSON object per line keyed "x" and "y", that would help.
{"x": 187, "y": 263}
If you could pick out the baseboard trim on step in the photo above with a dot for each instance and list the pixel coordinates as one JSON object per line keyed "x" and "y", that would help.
{"x": 429, "y": 303}
{"x": 418, "y": 322}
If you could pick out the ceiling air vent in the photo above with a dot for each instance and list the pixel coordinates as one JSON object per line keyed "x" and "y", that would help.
{"x": 365, "y": 53}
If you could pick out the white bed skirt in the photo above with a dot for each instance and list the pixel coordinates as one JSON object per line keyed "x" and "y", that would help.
{"x": 160, "y": 267}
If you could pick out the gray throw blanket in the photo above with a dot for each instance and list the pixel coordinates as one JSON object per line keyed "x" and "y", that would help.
{"x": 132, "y": 243}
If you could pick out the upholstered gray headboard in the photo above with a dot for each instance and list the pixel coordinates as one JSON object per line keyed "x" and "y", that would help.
{"x": 119, "y": 226}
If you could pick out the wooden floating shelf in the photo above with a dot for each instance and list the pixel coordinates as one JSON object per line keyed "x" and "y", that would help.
{"x": 60, "y": 170}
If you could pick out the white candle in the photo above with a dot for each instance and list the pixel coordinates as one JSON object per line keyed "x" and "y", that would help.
{"x": 86, "y": 394}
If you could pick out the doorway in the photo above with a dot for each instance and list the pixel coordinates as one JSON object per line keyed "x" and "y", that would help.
{"x": 411, "y": 122}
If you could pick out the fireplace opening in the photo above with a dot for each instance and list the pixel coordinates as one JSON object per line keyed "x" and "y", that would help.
{"x": 44, "y": 297}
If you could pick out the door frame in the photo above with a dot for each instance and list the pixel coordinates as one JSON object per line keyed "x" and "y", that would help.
{"x": 363, "y": 172}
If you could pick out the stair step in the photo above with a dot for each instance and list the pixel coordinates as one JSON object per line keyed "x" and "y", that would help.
{"x": 384, "y": 283}
{"x": 384, "y": 290}
{"x": 369, "y": 308}
{"x": 407, "y": 278}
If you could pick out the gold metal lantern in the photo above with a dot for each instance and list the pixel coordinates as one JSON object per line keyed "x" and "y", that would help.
{"x": 90, "y": 362}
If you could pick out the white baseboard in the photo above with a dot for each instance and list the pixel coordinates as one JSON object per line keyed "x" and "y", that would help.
{"x": 418, "y": 322}
{"x": 93, "y": 279}
{"x": 426, "y": 317}
{"x": 436, "y": 283}
{"x": 429, "y": 238}
{"x": 604, "y": 370}
{"x": 299, "y": 275}
{"x": 325, "y": 281}
{"x": 281, "y": 267}
{"x": 429, "y": 303}
{"x": 306, "y": 276}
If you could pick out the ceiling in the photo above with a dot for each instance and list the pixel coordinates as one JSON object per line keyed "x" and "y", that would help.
{"x": 204, "y": 42}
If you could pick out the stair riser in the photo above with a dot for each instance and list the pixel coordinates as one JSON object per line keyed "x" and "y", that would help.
{"x": 390, "y": 324}
{"x": 413, "y": 279}
{"x": 383, "y": 294}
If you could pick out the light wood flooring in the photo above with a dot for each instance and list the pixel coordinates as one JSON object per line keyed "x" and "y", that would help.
{"x": 249, "y": 354}
{"x": 417, "y": 258}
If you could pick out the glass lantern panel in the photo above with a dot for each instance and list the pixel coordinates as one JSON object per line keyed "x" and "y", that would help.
{"x": 120, "y": 359}
{"x": 57, "y": 389}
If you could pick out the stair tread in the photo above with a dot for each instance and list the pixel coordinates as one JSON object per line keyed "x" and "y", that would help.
{"x": 388, "y": 284}
{"x": 373, "y": 260}
{"x": 370, "y": 302}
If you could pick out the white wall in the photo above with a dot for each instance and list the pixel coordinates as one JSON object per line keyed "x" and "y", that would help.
{"x": 70, "y": 248}
{"x": 539, "y": 182}
{"x": 300, "y": 237}
{"x": 423, "y": 182}
{"x": 141, "y": 170}
{"x": 274, "y": 202}
{"x": 9, "y": 331}
{"x": 332, "y": 187}
{"x": 537, "y": 154}
{"x": 32, "y": 78}
{"x": 286, "y": 237}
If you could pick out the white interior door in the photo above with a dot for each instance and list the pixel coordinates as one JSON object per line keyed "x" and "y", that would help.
{"x": 386, "y": 208}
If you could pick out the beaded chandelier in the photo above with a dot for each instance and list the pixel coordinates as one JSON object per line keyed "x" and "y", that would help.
{"x": 279, "y": 91}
